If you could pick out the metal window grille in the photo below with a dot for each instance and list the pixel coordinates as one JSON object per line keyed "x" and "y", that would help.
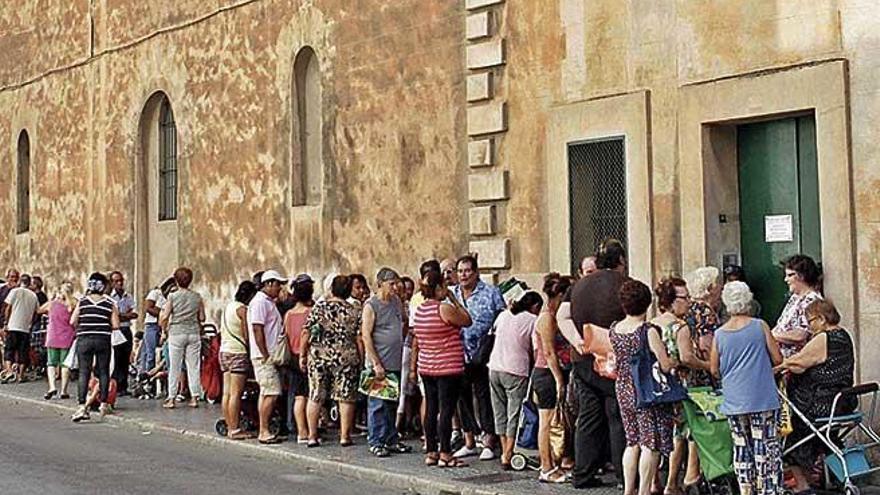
{"x": 167, "y": 163}
{"x": 24, "y": 183}
{"x": 597, "y": 195}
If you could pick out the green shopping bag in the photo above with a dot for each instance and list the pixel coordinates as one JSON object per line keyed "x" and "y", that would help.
{"x": 710, "y": 430}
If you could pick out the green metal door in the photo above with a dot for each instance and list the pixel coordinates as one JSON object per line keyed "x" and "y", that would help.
{"x": 778, "y": 196}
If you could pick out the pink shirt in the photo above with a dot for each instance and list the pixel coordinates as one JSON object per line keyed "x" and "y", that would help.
{"x": 513, "y": 343}
{"x": 59, "y": 333}
{"x": 293, "y": 326}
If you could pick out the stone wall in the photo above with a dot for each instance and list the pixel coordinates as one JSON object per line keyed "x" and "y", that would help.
{"x": 393, "y": 93}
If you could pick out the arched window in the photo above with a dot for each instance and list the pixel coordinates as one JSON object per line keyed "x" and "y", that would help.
{"x": 23, "y": 183}
{"x": 167, "y": 162}
{"x": 307, "y": 170}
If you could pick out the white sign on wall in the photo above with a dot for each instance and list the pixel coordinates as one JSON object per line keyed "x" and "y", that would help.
{"x": 778, "y": 228}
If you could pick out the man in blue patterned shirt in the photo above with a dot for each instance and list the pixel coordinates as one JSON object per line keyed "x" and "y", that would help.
{"x": 484, "y": 303}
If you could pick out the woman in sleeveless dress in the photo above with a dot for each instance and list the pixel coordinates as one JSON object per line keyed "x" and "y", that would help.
{"x": 648, "y": 430}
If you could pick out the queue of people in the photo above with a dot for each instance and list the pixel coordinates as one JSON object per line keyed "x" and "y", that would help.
{"x": 474, "y": 358}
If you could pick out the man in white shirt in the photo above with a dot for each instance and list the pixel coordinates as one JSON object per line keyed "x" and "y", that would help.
{"x": 19, "y": 310}
{"x": 265, "y": 322}
{"x": 153, "y": 304}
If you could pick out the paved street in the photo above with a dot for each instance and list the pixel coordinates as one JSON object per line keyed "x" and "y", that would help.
{"x": 43, "y": 453}
{"x": 195, "y": 428}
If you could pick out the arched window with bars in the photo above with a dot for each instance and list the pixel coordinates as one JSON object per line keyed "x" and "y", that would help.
{"x": 167, "y": 162}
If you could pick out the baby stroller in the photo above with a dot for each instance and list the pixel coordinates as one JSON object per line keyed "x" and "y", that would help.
{"x": 525, "y": 449}
{"x": 37, "y": 353}
{"x": 249, "y": 417}
{"x": 711, "y": 432}
{"x": 846, "y": 463}
{"x": 153, "y": 384}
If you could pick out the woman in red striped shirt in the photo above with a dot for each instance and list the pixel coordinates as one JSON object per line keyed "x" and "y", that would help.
{"x": 438, "y": 358}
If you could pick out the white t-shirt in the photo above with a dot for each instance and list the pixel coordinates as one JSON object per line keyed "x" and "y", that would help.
{"x": 157, "y": 297}
{"x": 24, "y": 304}
{"x": 262, "y": 311}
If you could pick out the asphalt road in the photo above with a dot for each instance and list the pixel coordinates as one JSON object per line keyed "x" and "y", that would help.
{"x": 43, "y": 453}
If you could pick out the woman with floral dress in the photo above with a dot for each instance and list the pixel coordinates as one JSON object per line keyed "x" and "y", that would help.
{"x": 332, "y": 357}
{"x": 792, "y": 329}
{"x": 648, "y": 430}
{"x": 702, "y": 321}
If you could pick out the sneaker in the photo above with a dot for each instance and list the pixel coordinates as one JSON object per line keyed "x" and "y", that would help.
{"x": 379, "y": 451}
{"x": 456, "y": 437}
{"x": 465, "y": 452}
{"x": 487, "y": 454}
{"x": 399, "y": 448}
{"x": 81, "y": 414}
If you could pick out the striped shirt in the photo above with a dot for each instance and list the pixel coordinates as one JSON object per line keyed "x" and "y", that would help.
{"x": 441, "y": 352}
{"x": 94, "y": 316}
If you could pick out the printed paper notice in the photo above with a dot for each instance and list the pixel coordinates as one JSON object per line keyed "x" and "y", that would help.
{"x": 777, "y": 228}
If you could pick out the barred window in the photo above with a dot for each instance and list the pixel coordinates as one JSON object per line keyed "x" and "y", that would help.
{"x": 597, "y": 195}
{"x": 167, "y": 162}
{"x": 23, "y": 184}
{"x": 306, "y": 157}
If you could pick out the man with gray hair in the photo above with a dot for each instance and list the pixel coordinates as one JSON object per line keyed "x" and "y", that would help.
{"x": 588, "y": 266}
{"x": 383, "y": 321}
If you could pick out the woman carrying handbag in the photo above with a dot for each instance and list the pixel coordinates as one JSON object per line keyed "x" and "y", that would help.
{"x": 648, "y": 428}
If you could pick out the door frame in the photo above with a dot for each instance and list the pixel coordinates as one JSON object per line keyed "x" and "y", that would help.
{"x": 820, "y": 87}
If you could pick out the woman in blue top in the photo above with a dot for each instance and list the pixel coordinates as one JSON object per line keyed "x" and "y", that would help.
{"x": 743, "y": 355}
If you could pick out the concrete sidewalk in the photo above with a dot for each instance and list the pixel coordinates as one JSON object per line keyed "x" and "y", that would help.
{"x": 405, "y": 472}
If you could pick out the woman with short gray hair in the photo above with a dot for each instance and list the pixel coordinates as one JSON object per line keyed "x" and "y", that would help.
{"x": 743, "y": 355}
{"x": 702, "y": 320}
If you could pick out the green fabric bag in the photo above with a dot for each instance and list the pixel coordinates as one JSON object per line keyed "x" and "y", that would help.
{"x": 710, "y": 430}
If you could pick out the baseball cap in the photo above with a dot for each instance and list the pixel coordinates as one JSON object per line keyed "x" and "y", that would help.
{"x": 386, "y": 274}
{"x": 270, "y": 275}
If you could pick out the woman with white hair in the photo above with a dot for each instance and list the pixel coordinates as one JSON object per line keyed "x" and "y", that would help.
{"x": 743, "y": 355}
{"x": 702, "y": 321}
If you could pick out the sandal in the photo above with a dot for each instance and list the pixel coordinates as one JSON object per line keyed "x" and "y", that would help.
{"x": 432, "y": 459}
{"x": 314, "y": 443}
{"x": 452, "y": 462}
{"x": 346, "y": 443}
{"x": 554, "y": 476}
{"x": 169, "y": 404}
{"x": 50, "y": 394}
{"x": 194, "y": 403}
{"x": 269, "y": 441}
{"x": 238, "y": 435}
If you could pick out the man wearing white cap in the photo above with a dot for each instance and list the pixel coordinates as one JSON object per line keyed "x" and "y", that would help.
{"x": 265, "y": 322}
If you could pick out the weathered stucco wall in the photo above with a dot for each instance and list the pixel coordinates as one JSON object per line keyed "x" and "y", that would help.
{"x": 567, "y": 51}
{"x": 392, "y": 107}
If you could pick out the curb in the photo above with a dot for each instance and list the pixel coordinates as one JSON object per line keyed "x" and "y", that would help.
{"x": 411, "y": 483}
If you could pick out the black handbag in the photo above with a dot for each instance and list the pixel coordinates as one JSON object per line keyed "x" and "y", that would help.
{"x": 484, "y": 349}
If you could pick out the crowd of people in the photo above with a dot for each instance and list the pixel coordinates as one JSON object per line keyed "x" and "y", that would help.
{"x": 448, "y": 359}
